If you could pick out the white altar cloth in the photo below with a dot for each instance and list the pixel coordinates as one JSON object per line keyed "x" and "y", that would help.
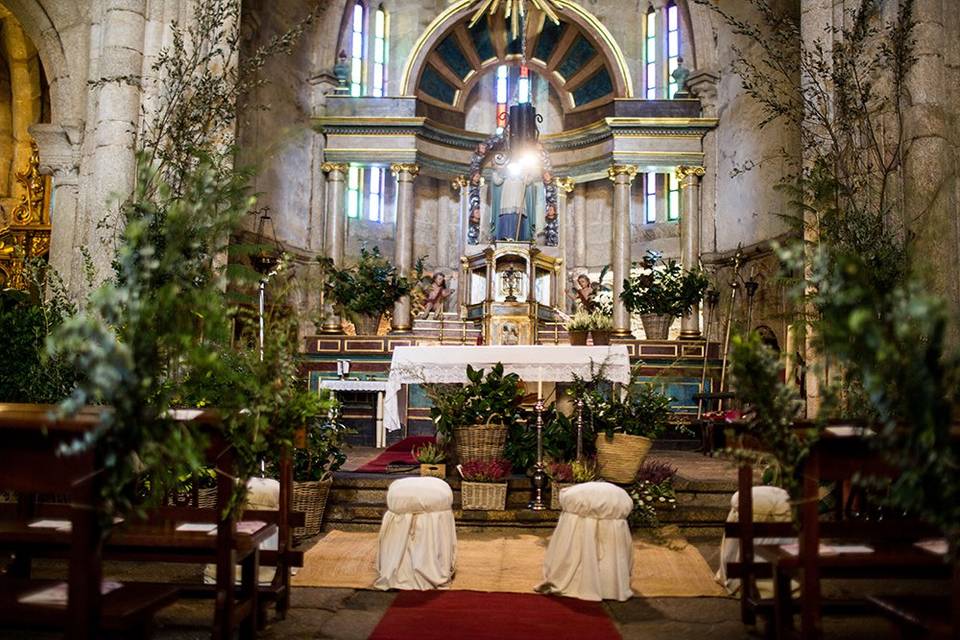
{"x": 448, "y": 364}
{"x": 376, "y": 386}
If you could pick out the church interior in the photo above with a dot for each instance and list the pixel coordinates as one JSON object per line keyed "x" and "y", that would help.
{"x": 599, "y": 318}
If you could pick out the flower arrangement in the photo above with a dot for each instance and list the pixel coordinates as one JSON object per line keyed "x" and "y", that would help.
{"x": 485, "y": 396}
{"x": 584, "y": 470}
{"x": 579, "y": 321}
{"x": 601, "y": 321}
{"x": 429, "y": 453}
{"x": 560, "y": 471}
{"x": 369, "y": 288}
{"x": 496, "y": 470}
{"x": 662, "y": 287}
{"x": 652, "y": 492}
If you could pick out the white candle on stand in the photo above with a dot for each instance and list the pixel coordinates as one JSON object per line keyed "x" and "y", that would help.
{"x": 540, "y": 384}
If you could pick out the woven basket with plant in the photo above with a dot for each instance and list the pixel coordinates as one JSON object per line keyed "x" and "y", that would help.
{"x": 477, "y": 416}
{"x": 484, "y": 485}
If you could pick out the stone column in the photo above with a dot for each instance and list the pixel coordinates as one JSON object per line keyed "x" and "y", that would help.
{"x": 689, "y": 179}
{"x": 564, "y": 189}
{"x": 335, "y": 233}
{"x": 460, "y": 185}
{"x": 580, "y": 225}
{"x": 405, "y": 174}
{"x": 116, "y": 118}
{"x": 622, "y": 176}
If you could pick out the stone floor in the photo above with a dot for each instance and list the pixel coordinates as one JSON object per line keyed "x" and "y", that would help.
{"x": 347, "y": 614}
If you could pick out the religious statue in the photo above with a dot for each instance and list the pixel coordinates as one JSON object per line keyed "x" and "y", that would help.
{"x": 513, "y": 200}
{"x": 436, "y": 296}
{"x": 584, "y": 293}
{"x": 680, "y": 75}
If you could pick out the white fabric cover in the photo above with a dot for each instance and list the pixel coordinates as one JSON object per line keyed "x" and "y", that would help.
{"x": 770, "y": 504}
{"x": 418, "y": 536}
{"x": 590, "y": 555}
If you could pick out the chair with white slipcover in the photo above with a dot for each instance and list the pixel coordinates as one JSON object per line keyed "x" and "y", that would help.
{"x": 418, "y": 536}
{"x": 590, "y": 555}
{"x": 770, "y": 504}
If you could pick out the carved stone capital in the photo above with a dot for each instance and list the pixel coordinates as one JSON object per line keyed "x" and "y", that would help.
{"x": 616, "y": 171}
{"x": 565, "y": 184}
{"x": 59, "y": 148}
{"x": 685, "y": 171}
{"x": 335, "y": 167}
{"x": 405, "y": 167}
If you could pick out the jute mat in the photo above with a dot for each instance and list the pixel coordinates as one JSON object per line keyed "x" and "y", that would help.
{"x": 500, "y": 562}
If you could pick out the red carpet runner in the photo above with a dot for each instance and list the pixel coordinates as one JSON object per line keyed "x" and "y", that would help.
{"x": 474, "y": 615}
{"x": 398, "y": 453}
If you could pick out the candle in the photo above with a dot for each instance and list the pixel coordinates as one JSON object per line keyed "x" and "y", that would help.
{"x": 540, "y": 384}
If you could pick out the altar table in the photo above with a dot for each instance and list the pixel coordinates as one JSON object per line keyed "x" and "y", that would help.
{"x": 448, "y": 364}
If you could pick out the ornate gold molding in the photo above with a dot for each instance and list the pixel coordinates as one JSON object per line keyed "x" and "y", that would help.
{"x": 684, "y": 171}
{"x": 339, "y": 167}
{"x": 566, "y": 184}
{"x": 628, "y": 170}
{"x": 459, "y": 183}
{"x": 405, "y": 167}
{"x": 31, "y": 209}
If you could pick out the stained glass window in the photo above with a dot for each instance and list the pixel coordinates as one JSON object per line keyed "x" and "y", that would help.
{"x": 673, "y": 45}
{"x": 650, "y": 55}
{"x": 356, "y": 50}
{"x": 379, "y": 81}
{"x": 650, "y": 197}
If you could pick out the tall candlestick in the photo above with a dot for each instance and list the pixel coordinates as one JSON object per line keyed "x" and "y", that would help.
{"x": 540, "y": 384}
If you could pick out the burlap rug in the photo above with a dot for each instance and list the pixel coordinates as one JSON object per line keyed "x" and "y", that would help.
{"x": 507, "y": 563}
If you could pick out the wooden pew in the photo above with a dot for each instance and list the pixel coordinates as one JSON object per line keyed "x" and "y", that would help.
{"x": 837, "y": 458}
{"x": 29, "y": 464}
{"x": 158, "y": 539}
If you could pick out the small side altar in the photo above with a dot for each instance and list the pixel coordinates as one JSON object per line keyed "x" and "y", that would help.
{"x": 547, "y": 363}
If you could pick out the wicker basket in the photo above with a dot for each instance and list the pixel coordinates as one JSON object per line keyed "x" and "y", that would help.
{"x": 483, "y": 496}
{"x": 433, "y": 470}
{"x": 311, "y": 498}
{"x": 619, "y": 458}
{"x": 600, "y": 338}
{"x": 480, "y": 441}
{"x": 577, "y": 338}
{"x": 555, "y": 489}
{"x": 367, "y": 325}
{"x": 656, "y": 326}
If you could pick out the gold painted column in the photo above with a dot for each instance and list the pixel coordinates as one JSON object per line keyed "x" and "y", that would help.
{"x": 689, "y": 179}
{"x": 622, "y": 176}
{"x": 336, "y": 226}
{"x": 405, "y": 174}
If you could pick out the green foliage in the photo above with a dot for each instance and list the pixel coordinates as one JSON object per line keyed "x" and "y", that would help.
{"x": 585, "y": 470}
{"x": 429, "y": 453}
{"x": 29, "y": 374}
{"x": 773, "y": 407}
{"x": 662, "y": 287}
{"x": 640, "y": 410}
{"x": 369, "y": 288}
{"x": 650, "y": 498}
{"x": 559, "y": 438}
{"x": 493, "y": 397}
{"x": 323, "y": 453}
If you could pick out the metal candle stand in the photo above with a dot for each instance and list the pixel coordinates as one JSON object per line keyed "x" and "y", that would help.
{"x": 539, "y": 478}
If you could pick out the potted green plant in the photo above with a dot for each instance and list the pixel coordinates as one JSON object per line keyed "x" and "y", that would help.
{"x": 431, "y": 458}
{"x": 578, "y": 326}
{"x": 601, "y": 325}
{"x": 660, "y": 291}
{"x": 477, "y": 416}
{"x": 630, "y": 425}
{"x": 367, "y": 290}
{"x": 484, "y": 484}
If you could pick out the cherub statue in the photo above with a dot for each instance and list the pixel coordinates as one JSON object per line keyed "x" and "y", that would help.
{"x": 584, "y": 293}
{"x": 437, "y": 295}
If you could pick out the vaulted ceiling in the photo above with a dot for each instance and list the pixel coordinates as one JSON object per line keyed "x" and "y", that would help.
{"x": 565, "y": 54}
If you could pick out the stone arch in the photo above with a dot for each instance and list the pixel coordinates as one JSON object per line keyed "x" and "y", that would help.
{"x": 592, "y": 62}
